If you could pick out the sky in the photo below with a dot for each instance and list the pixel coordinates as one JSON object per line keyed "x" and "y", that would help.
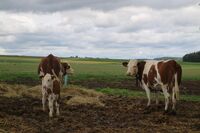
{"x": 121, "y": 29}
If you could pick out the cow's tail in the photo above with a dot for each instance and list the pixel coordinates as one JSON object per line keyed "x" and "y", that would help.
{"x": 176, "y": 87}
{"x": 55, "y": 74}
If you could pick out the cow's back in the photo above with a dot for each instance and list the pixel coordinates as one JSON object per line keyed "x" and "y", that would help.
{"x": 48, "y": 63}
{"x": 167, "y": 71}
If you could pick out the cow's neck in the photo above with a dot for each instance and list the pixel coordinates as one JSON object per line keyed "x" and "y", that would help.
{"x": 140, "y": 65}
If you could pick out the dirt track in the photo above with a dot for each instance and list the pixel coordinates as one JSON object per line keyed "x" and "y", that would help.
{"x": 119, "y": 115}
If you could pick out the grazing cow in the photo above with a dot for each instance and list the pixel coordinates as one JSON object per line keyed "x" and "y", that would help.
{"x": 155, "y": 75}
{"x": 51, "y": 91}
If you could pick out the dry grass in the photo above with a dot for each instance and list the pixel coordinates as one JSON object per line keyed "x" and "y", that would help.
{"x": 78, "y": 95}
{"x": 12, "y": 90}
{"x": 81, "y": 96}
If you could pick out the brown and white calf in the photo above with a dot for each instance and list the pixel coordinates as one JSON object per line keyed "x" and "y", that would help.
{"x": 51, "y": 92}
{"x": 154, "y": 75}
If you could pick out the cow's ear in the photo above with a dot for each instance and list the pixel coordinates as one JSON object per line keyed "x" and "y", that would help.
{"x": 68, "y": 67}
{"x": 125, "y": 64}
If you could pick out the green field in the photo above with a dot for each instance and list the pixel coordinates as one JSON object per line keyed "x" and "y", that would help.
{"x": 16, "y": 69}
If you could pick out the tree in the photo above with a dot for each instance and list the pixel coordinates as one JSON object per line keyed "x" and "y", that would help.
{"x": 192, "y": 57}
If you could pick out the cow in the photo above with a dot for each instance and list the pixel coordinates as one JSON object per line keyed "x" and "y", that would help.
{"x": 50, "y": 63}
{"x": 51, "y": 71}
{"x": 51, "y": 91}
{"x": 155, "y": 75}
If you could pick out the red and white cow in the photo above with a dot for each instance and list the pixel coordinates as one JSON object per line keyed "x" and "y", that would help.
{"x": 51, "y": 71}
{"x": 50, "y": 63}
{"x": 151, "y": 74}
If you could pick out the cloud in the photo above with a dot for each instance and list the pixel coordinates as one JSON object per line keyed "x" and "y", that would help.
{"x": 137, "y": 30}
{"x": 62, "y": 5}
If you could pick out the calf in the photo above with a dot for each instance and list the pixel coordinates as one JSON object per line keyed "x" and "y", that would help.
{"x": 164, "y": 75}
{"x": 51, "y": 92}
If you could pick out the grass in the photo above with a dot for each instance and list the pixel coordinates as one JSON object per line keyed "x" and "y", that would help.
{"x": 141, "y": 94}
{"x": 17, "y": 69}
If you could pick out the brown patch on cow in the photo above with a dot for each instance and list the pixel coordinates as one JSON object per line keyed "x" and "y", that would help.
{"x": 167, "y": 70}
{"x": 145, "y": 79}
{"x": 179, "y": 73}
{"x": 48, "y": 63}
{"x": 140, "y": 66}
{"x": 152, "y": 75}
{"x": 49, "y": 91}
{"x": 56, "y": 87}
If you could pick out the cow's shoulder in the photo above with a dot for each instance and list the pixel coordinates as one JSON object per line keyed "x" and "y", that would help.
{"x": 148, "y": 65}
{"x": 140, "y": 66}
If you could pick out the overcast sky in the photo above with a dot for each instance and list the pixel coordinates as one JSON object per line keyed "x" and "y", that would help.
{"x": 100, "y": 28}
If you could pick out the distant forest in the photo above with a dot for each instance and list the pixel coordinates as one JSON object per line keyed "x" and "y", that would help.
{"x": 192, "y": 57}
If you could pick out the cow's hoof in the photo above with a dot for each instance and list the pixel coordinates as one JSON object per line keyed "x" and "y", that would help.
{"x": 166, "y": 112}
{"x": 50, "y": 115}
{"x": 57, "y": 114}
{"x": 147, "y": 110}
{"x": 173, "y": 112}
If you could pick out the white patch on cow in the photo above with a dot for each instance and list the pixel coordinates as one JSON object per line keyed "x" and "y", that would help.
{"x": 158, "y": 78}
{"x": 132, "y": 67}
{"x": 41, "y": 74}
{"x": 166, "y": 95}
{"x": 166, "y": 61}
{"x": 47, "y": 83}
{"x": 148, "y": 65}
{"x": 147, "y": 90}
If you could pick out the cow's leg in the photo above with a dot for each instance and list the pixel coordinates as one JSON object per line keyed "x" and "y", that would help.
{"x": 51, "y": 100}
{"x": 173, "y": 101}
{"x": 166, "y": 95}
{"x": 156, "y": 96}
{"x": 43, "y": 100}
{"x": 147, "y": 93}
{"x": 57, "y": 108}
{"x": 57, "y": 104}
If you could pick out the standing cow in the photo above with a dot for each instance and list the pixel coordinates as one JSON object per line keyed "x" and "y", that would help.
{"x": 153, "y": 74}
{"x": 51, "y": 71}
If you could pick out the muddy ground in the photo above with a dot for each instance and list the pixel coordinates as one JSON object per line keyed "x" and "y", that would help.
{"x": 187, "y": 87}
{"x": 119, "y": 115}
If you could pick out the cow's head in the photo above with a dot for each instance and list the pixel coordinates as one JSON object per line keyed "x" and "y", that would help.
{"x": 47, "y": 81}
{"x": 67, "y": 69}
{"x": 132, "y": 67}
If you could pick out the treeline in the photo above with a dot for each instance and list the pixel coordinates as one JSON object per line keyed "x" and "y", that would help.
{"x": 192, "y": 57}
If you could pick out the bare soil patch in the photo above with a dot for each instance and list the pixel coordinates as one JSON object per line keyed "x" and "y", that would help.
{"x": 117, "y": 115}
